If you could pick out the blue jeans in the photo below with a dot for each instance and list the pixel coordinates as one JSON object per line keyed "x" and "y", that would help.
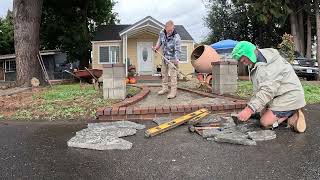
{"x": 283, "y": 114}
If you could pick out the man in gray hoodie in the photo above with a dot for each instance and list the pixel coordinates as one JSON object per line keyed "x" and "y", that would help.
{"x": 277, "y": 91}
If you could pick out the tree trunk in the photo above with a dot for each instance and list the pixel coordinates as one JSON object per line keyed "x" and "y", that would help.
{"x": 316, "y": 4}
{"x": 27, "y": 17}
{"x": 301, "y": 33}
{"x": 294, "y": 31}
{"x": 84, "y": 59}
{"x": 309, "y": 36}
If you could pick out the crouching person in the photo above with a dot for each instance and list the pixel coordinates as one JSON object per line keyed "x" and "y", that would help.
{"x": 277, "y": 91}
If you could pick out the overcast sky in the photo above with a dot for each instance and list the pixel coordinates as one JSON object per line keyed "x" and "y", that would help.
{"x": 189, "y": 13}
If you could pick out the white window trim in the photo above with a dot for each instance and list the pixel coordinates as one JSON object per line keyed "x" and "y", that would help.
{"x": 109, "y": 54}
{"x": 187, "y": 54}
{"x": 5, "y": 67}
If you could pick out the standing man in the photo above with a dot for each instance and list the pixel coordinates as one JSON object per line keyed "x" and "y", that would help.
{"x": 170, "y": 42}
{"x": 277, "y": 92}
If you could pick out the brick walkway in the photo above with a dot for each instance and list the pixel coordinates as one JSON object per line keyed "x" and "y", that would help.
{"x": 142, "y": 107}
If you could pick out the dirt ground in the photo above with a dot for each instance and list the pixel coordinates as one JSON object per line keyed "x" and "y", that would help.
{"x": 10, "y": 104}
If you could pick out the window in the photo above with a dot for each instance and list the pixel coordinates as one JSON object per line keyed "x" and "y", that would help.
{"x": 145, "y": 54}
{"x": 184, "y": 54}
{"x": 10, "y": 66}
{"x": 109, "y": 54}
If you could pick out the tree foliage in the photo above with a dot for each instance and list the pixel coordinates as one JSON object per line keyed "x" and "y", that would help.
{"x": 238, "y": 20}
{"x": 69, "y": 25}
{"x": 6, "y": 34}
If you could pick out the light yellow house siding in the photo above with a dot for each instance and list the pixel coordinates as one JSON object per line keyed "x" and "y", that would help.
{"x": 186, "y": 68}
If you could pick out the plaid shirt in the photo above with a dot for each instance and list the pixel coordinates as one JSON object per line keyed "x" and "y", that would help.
{"x": 171, "y": 45}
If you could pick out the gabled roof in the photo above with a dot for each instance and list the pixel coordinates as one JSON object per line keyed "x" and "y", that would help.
{"x": 43, "y": 53}
{"x": 148, "y": 18}
{"x": 109, "y": 32}
{"x": 113, "y": 32}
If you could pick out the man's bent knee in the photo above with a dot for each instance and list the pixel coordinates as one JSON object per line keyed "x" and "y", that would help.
{"x": 268, "y": 119}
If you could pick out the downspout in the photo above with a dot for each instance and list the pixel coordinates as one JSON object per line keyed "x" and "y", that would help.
{"x": 126, "y": 54}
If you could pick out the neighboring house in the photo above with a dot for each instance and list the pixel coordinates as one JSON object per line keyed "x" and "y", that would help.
{"x": 54, "y": 61}
{"x": 115, "y": 43}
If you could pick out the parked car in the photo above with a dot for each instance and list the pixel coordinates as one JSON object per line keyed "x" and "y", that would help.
{"x": 306, "y": 68}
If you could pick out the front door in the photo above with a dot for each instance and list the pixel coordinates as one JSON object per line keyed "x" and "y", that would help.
{"x": 1, "y": 71}
{"x": 145, "y": 59}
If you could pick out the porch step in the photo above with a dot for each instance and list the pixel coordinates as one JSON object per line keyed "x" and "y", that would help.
{"x": 148, "y": 79}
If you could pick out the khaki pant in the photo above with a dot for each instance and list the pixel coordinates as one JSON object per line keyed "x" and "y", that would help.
{"x": 167, "y": 69}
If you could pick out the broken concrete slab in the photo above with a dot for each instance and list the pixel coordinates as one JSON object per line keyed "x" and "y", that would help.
{"x": 228, "y": 122}
{"x": 211, "y": 118}
{"x": 105, "y": 136}
{"x": 234, "y": 138}
{"x": 108, "y": 131}
{"x": 161, "y": 120}
{"x": 119, "y": 124}
{"x": 104, "y": 142}
{"x": 262, "y": 135}
{"x": 207, "y": 133}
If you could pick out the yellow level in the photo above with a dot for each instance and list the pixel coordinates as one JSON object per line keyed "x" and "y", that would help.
{"x": 194, "y": 117}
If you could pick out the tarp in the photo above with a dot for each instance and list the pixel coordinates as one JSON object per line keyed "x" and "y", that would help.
{"x": 224, "y": 44}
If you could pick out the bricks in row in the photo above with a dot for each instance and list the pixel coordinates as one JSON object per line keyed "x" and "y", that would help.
{"x": 166, "y": 109}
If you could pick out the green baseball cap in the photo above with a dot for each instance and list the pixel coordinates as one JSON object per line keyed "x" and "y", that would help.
{"x": 244, "y": 48}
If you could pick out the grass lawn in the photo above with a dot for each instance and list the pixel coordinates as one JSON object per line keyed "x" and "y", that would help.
{"x": 311, "y": 90}
{"x": 59, "y": 102}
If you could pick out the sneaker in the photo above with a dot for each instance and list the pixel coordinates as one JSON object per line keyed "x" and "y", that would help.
{"x": 298, "y": 122}
{"x": 171, "y": 96}
{"x": 163, "y": 91}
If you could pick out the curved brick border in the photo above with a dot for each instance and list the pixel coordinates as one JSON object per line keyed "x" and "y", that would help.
{"x": 121, "y": 111}
{"x": 136, "y": 98}
{"x": 127, "y": 102}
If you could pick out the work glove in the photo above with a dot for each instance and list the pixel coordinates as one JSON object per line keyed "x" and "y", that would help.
{"x": 245, "y": 114}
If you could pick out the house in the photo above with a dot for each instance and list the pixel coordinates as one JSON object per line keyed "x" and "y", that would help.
{"x": 54, "y": 61}
{"x": 116, "y": 43}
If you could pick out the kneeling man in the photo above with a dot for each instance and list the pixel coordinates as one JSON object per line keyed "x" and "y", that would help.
{"x": 277, "y": 91}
